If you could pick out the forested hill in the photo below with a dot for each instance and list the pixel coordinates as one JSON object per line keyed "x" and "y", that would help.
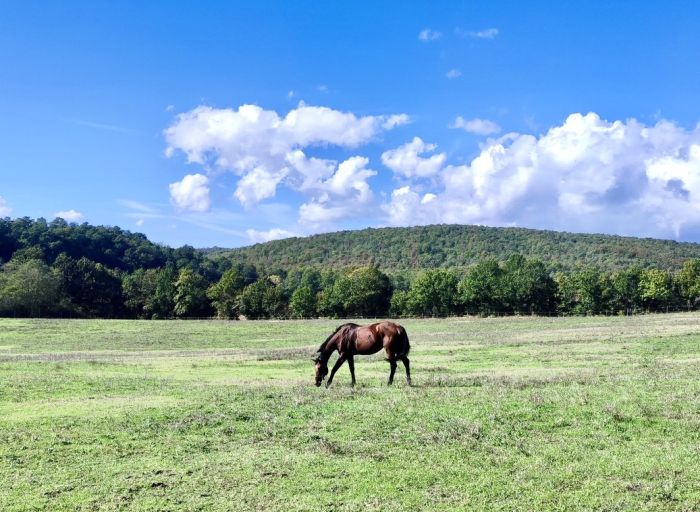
{"x": 459, "y": 246}
{"x": 115, "y": 248}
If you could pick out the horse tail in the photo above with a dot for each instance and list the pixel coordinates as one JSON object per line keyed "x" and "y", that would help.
{"x": 403, "y": 336}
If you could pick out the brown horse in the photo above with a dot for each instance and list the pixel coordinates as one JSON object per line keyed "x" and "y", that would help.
{"x": 351, "y": 340}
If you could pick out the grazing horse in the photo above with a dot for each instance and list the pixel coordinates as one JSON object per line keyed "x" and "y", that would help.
{"x": 352, "y": 339}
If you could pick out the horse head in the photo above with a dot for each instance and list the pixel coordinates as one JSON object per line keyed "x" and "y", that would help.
{"x": 321, "y": 368}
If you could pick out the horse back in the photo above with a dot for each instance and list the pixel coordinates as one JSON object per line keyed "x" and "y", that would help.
{"x": 389, "y": 336}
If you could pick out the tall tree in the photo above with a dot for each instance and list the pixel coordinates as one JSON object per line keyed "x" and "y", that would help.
{"x": 526, "y": 286}
{"x": 303, "y": 302}
{"x": 480, "y": 290}
{"x": 625, "y": 296}
{"x": 688, "y": 280}
{"x": 28, "y": 288}
{"x": 224, "y": 294}
{"x": 580, "y": 292}
{"x": 656, "y": 289}
{"x": 191, "y": 295}
{"x": 262, "y": 299}
{"x": 433, "y": 293}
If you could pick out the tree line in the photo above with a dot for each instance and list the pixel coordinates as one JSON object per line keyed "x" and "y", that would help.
{"x": 57, "y": 269}
{"x": 83, "y": 288}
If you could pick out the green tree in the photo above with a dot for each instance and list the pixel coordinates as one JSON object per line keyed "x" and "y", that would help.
{"x": 262, "y": 299}
{"x": 526, "y": 286}
{"x": 688, "y": 282}
{"x": 399, "y": 303}
{"x": 162, "y": 305}
{"x": 656, "y": 289}
{"x": 224, "y": 294}
{"x": 137, "y": 289}
{"x": 480, "y": 290}
{"x": 303, "y": 302}
{"x": 625, "y": 296}
{"x": 580, "y": 292}
{"x": 433, "y": 293}
{"x": 93, "y": 289}
{"x": 150, "y": 293}
{"x": 28, "y": 288}
{"x": 364, "y": 291}
{"x": 370, "y": 292}
{"x": 191, "y": 295}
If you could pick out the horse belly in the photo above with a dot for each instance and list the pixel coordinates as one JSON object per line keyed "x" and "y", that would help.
{"x": 366, "y": 343}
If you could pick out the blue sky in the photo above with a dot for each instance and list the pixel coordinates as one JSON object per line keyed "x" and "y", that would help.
{"x": 220, "y": 123}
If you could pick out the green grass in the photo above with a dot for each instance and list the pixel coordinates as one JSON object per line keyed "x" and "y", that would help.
{"x": 506, "y": 414}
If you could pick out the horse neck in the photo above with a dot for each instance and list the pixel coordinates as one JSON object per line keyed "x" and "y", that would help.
{"x": 328, "y": 348}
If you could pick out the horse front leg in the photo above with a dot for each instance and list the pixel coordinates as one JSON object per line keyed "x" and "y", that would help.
{"x": 392, "y": 362}
{"x": 351, "y": 364}
{"x": 338, "y": 364}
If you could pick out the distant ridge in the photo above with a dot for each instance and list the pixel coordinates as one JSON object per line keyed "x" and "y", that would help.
{"x": 459, "y": 246}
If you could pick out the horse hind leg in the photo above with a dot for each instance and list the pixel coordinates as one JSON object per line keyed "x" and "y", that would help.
{"x": 392, "y": 362}
{"x": 407, "y": 365}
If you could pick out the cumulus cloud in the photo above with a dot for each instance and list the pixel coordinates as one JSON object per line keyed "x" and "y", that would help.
{"x": 586, "y": 175}
{"x": 406, "y": 160}
{"x": 69, "y": 215}
{"x": 487, "y": 33}
{"x": 453, "y": 73}
{"x": 5, "y": 209}
{"x": 427, "y": 35}
{"x": 256, "y": 236}
{"x": 257, "y": 144}
{"x": 476, "y": 125}
{"x": 257, "y": 185}
{"x": 343, "y": 193}
{"x": 395, "y": 120}
{"x": 191, "y": 193}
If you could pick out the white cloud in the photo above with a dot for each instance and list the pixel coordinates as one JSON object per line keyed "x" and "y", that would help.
{"x": 343, "y": 193}
{"x": 140, "y": 222}
{"x": 69, "y": 215}
{"x": 487, "y": 33}
{"x": 258, "y": 144}
{"x": 453, "y": 73}
{"x": 586, "y": 175}
{"x": 315, "y": 213}
{"x": 322, "y": 88}
{"x": 5, "y": 209}
{"x": 291, "y": 94}
{"x": 477, "y": 126}
{"x": 191, "y": 193}
{"x": 256, "y": 236}
{"x": 395, "y": 120}
{"x": 406, "y": 160}
{"x": 257, "y": 185}
{"x": 427, "y": 35}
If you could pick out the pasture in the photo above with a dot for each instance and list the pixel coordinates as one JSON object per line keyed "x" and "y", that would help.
{"x": 505, "y": 414}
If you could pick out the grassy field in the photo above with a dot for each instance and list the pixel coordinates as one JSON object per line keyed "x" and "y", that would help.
{"x": 506, "y": 414}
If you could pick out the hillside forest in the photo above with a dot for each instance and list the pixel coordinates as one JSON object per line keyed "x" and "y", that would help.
{"x": 56, "y": 269}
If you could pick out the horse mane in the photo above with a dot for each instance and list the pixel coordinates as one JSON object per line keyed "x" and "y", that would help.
{"x": 329, "y": 338}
